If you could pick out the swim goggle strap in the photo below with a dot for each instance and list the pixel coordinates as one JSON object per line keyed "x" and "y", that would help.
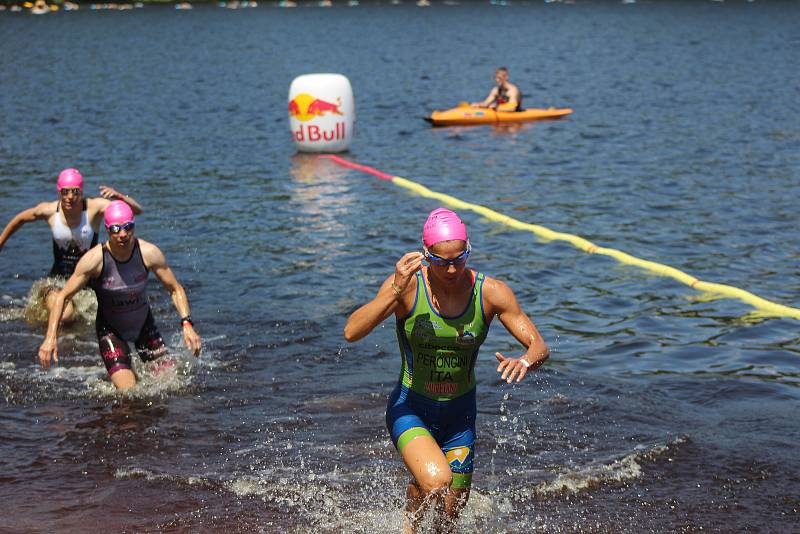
{"x": 433, "y": 259}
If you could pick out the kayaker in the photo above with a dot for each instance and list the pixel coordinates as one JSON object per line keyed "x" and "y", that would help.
{"x": 505, "y": 96}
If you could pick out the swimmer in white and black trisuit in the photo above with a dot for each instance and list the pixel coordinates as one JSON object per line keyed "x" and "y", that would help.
{"x": 74, "y": 221}
{"x": 117, "y": 271}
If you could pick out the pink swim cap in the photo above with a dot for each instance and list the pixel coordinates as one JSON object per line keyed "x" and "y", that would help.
{"x": 118, "y": 213}
{"x": 70, "y": 178}
{"x": 443, "y": 225}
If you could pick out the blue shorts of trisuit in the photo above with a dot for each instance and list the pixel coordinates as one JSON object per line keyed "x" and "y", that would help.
{"x": 450, "y": 423}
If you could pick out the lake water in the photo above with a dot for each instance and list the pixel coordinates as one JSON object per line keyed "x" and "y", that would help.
{"x": 659, "y": 409}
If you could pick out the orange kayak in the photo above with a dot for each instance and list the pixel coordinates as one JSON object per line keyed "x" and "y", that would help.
{"x": 465, "y": 115}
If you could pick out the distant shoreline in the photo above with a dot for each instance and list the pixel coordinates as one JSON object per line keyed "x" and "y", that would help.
{"x": 67, "y": 5}
{"x": 61, "y": 3}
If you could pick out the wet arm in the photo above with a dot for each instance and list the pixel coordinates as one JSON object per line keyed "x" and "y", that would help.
{"x": 129, "y": 200}
{"x": 505, "y": 306}
{"x": 112, "y": 194}
{"x": 87, "y": 267}
{"x": 158, "y": 264}
{"x": 362, "y": 321}
{"x": 36, "y": 213}
{"x": 155, "y": 261}
{"x": 76, "y": 282}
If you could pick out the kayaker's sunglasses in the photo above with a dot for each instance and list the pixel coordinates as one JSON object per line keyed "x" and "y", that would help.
{"x": 76, "y": 191}
{"x": 117, "y": 228}
{"x": 461, "y": 259}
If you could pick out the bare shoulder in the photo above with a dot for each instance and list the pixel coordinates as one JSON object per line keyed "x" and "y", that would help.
{"x": 94, "y": 254}
{"x": 91, "y": 263}
{"x": 45, "y": 209}
{"x": 97, "y": 204}
{"x": 493, "y": 286}
{"x": 497, "y": 293}
{"x": 152, "y": 255}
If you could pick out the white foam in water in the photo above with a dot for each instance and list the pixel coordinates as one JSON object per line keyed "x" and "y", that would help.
{"x": 323, "y": 497}
{"x": 366, "y": 499}
{"x": 11, "y": 310}
{"x": 371, "y": 498}
{"x": 35, "y": 310}
{"x": 616, "y": 471}
{"x": 91, "y": 379}
{"x": 153, "y": 378}
{"x": 138, "y": 472}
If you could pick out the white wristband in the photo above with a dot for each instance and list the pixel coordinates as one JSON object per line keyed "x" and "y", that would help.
{"x": 525, "y": 362}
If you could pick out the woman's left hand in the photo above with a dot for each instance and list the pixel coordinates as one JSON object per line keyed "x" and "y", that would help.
{"x": 512, "y": 367}
{"x": 110, "y": 193}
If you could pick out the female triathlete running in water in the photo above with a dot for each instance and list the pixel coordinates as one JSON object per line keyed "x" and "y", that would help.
{"x": 118, "y": 271}
{"x": 74, "y": 221}
{"x": 443, "y": 313}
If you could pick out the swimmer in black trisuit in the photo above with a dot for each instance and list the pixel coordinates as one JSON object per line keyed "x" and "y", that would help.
{"x": 505, "y": 96}
{"x": 117, "y": 271}
{"x": 74, "y": 221}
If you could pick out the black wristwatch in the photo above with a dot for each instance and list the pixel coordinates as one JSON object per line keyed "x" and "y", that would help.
{"x": 187, "y": 319}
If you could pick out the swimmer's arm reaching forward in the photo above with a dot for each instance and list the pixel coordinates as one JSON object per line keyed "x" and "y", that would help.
{"x": 391, "y": 297}
{"x": 40, "y": 212}
{"x": 89, "y": 266}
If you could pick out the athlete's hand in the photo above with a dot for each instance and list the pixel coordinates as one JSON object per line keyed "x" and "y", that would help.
{"x": 517, "y": 367}
{"x": 192, "y": 340}
{"x": 110, "y": 193}
{"x": 511, "y": 367}
{"x": 47, "y": 351}
{"x": 405, "y": 268}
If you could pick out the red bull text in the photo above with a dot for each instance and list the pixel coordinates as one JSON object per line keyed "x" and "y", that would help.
{"x": 305, "y": 107}
{"x": 312, "y": 132}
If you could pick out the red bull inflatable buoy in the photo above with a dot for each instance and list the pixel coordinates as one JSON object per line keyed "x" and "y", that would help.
{"x": 322, "y": 113}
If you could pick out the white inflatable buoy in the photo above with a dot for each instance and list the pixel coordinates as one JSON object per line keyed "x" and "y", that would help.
{"x": 322, "y": 113}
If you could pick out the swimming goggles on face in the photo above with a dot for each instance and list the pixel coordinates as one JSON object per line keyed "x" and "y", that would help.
{"x": 76, "y": 191}
{"x": 461, "y": 259}
{"x": 117, "y": 228}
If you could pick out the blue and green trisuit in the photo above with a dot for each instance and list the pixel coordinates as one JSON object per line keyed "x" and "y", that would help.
{"x": 436, "y": 392}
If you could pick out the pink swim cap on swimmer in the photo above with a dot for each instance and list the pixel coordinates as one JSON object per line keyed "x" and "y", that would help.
{"x": 69, "y": 178}
{"x": 443, "y": 225}
{"x": 118, "y": 213}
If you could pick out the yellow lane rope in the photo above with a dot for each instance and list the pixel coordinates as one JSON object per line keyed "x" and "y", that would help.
{"x": 765, "y": 306}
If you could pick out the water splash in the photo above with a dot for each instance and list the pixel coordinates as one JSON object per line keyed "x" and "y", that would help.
{"x": 36, "y": 311}
{"x": 613, "y": 471}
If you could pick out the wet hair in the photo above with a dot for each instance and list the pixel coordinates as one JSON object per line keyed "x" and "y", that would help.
{"x": 502, "y": 69}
